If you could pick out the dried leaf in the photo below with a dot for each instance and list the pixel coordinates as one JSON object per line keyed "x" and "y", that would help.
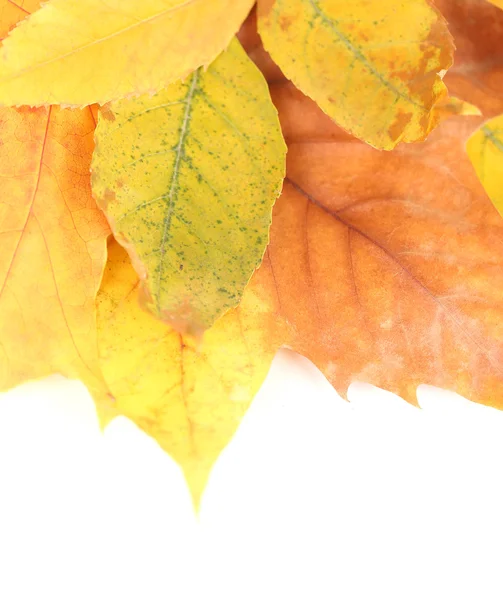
{"x": 410, "y": 292}
{"x": 53, "y": 245}
{"x": 187, "y": 179}
{"x": 189, "y": 397}
{"x": 374, "y": 67}
{"x": 76, "y": 53}
{"x": 485, "y": 149}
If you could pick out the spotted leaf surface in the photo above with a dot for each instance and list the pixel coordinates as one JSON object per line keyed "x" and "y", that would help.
{"x": 485, "y": 149}
{"x": 374, "y": 67}
{"x": 189, "y": 397}
{"x": 77, "y": 52}
{"x": 187, "y": 179}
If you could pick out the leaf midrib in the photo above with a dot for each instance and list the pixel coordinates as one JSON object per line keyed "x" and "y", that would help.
{"x": 358, "y": 54}
{"x": 184, "y": 129}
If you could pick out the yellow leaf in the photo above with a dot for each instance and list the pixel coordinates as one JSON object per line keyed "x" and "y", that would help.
{"x": 498, "y": 3}
{"x": 53, "y": 240}
{"x": 189, "y": 398}
{"x": 76, "y": 53}
{"x": 188, "y": 179}
{"x": 485, "y": 149}
{"x": 374, "y": 67}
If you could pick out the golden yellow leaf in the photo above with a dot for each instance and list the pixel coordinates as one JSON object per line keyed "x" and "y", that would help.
{"x": 53, "y": 245}
{"x": 485, "y": 149}
{"x": 189, "y": 397}
{"x": 498, "y": 3}
{"x": 188, "y": 178}
{"x": 76, "y": 53}
{"x": 375, "y": 67}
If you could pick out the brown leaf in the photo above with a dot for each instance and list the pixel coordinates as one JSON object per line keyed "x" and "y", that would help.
{"x": 477, "y": 74}
{"x": 388, "y": 264}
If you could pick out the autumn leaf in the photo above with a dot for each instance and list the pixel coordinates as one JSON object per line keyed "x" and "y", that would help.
{"x": 187, "y": 179}
{"x": 53, "y": 240}
{"x": 498, "y": 3}
{"x": 387, "y": 264}
{"x": 374, "y": 67}
{"x": 485, "y": 149}
{"x": 53, "y": 245}
{"x": 77, "y": 53}
{"x": 189, "y": 397}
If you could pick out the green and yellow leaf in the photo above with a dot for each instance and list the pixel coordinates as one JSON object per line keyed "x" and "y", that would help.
{"x": 190, "y": 398}
{"x": 188, "y": 179}
{"x": 485, "y": 149}
{"x": 375, "y": 67}
{"x": 77, "y": 52}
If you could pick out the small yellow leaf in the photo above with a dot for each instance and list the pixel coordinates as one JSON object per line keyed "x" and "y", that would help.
{"x": 485, "y": 149}
{"x": 498, "y": 3}
{"x": 375, "y": 67}
{"x": 76, "y": 53}
{"x": 188, "y": 179}
{"x": 189, "y": 398}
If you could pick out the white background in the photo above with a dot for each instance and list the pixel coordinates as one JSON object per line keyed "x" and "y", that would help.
{"x": 314, "y": 498}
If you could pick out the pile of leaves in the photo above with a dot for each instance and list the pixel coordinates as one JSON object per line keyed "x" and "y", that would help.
{"x": 145, "y": 147}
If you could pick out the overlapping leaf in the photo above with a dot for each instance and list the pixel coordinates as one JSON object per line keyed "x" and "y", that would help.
{"x": 410, "y": 292}
{"x": 374, "y": 67}
{"x": 385, "y": 266}
{"x": 53, "y": 240}
{"x": 76, "y": 53}
{"x": 189, "y": 397}
{"x": 187, "y": 179}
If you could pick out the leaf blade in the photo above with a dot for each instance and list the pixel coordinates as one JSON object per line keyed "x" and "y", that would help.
{"x": 188, "y": 397}
{"x": 375, "y": 80}
{"x": 411, "y": 293}
{"x": 187, "y": 179}
{"x": 53, "y": 246}
{"x": 78, "y": 53}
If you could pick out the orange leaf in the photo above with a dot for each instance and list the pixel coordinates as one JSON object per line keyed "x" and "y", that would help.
{"x": 53, "y": 245}
{"x": 388, "y": 264}
{"x": 11, "y": 12}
